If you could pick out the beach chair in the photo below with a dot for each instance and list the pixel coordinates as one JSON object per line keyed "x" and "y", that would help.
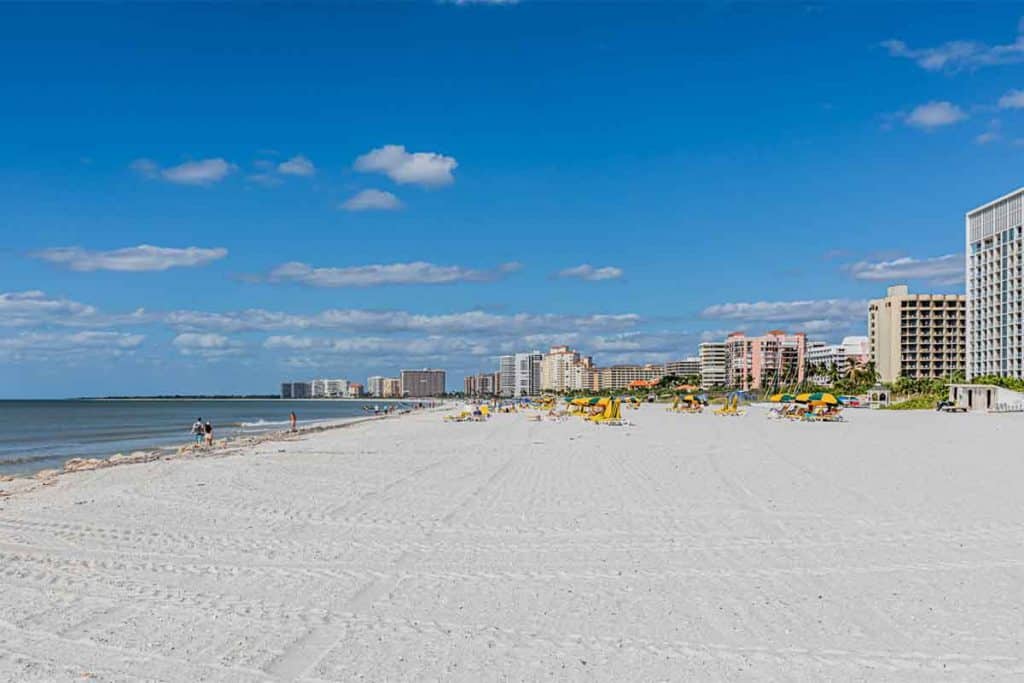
{"x": 612, "y": 414}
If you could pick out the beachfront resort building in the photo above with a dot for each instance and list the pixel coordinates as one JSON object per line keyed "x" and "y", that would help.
{"x": 423, "y": 383}
{"x": 823, "y": 357}
{"x": 556, "y": 368}
{"x": 917, "y": 335}
{"x": 765, "y": 363}
{"x": 687, "y": 367}
{"x": 484, "y": 384}
{"x": 329, "y": 388}
{"x": 621, "y": 376}
{"x": 296, "y": 390}
{"x": 995, "y": 288}
{"x": 519, "y": 373}
{"x": 507, "y": 375}
{"x": 713, "y": 357}
{"x": 391, "y": 388}
{"x": 563, "y": 369}
{"x": 375, "y": 386}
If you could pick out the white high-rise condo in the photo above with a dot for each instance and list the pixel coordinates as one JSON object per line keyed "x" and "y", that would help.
{"x": 994, "y": 287}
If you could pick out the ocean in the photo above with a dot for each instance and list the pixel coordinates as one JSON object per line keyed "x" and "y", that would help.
{"x": 36, "y": 435}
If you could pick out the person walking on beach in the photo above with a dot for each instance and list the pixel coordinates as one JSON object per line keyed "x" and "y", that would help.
{"x": 293, "y": 419}
{"x": 208, "y": 428}
{"x": 198, "y": 430}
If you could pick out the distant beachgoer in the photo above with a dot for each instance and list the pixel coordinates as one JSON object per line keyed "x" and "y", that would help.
{"x": 293, "y": 419}
{"x": 208, "y": 428}
{"x": 198, "y": 430}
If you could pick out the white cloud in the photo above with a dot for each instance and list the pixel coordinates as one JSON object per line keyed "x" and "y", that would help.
{"x": 934, "y": 114}
{"x": 1014, "y": 99}
{"x": 19, "y": 309}
{"x": 590, "y": 273}
{"x": 202, "y": 172}
{"x": 415, "y": 273}
{"x": 36, "y": 346}
{"x": 144, "y": 257}
{"x": 959, "y": 55}
{"x": 470, "y": 322}
{"x": 991, "y": 134}
{"x": 372, "y": 200}
{"x": 942, "y": 270}
{"x": 419, "y": 168}
{"x": 207, "y": 345}
{"x": 297, "y": 165}
{"x": 379, "y": 346}
{"x": 789, "y": 311}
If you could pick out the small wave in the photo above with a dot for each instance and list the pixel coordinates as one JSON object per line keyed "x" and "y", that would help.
{"x": 263, "y": 423}
{"x": 25, "y": 459}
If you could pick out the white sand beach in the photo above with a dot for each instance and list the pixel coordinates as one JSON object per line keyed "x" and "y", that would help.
{"x": 684, "y": 547}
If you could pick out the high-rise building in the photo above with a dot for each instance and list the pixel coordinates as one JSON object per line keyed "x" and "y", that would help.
{"x": 391, "y": 387}
{"x": 422, "y": 383}
{"x": 556, "y": 368}
{"x": 375, "y": 386}
{"x": 526, "y": 374}
{"x": 485, "y": 384}
{"x": 329, "y": 388}
{"x": 620, "y": 376}
{"x": 764, "y": 363}
{"x": 687, "y": 367}
{"x": 713, "y": 364}
{"x": 355, "y": 390}
{"x": 296, "y": 390}
{"x": 507, "y": 375}
{"x": 995, "y": 288}
{"x": 917, "y": 335}
{"x": 852, "y": 352}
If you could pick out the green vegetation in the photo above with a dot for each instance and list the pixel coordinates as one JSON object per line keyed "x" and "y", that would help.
{"x": 1011, "y": 383}
{"x": 916, "y": 403}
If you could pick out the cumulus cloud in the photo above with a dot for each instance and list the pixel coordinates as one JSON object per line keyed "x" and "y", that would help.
{"x": 1014, "y": 99}
{"x": 144, "y": 257}
{"x": 469, "y": 322}
{"x": 35, "y": 346}
{"x": 941, "y": 270}
{"x": 18, "y": 309}
{"x": 297, "y": 165}
{"x": 936, "y": 114}
{"x": 959, "y": 55}
{"x": 415, "y": 273}
{"x": 789, "y": 311}
{"x": 372, "y": 200}
{"x": 428, "y": 169}
{"x": 202, "y": 172}
{"x": 206, "y": 345}
{"x": 590, "y": 273}
{"x": 379, "y": 346}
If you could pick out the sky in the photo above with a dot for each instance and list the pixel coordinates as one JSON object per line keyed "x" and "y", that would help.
{"x": 215, "y": 199}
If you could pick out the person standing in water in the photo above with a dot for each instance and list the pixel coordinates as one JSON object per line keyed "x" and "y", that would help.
{"x": 198, "y": 430}
{"x": 208, "y": 428}
{"x": 292, "y": 419}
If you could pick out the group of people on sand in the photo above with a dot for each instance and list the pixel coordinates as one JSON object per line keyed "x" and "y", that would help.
{"x": 202, "y": 432}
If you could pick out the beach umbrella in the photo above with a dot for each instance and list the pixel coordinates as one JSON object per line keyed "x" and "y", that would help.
{"x": 782, "y": 398}
{"x": 818, "y": 397}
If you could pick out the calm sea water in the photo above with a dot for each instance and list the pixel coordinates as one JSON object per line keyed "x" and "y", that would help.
{"x": 35, "y": 435}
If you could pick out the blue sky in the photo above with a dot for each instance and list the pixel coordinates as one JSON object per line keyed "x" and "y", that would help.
{"x": 348, "y": 189}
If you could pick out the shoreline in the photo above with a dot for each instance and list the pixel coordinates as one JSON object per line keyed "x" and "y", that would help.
{"x": 11, "y": 485}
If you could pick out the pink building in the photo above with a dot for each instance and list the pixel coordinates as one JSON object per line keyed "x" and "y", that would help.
{"x": 767, "y": 362}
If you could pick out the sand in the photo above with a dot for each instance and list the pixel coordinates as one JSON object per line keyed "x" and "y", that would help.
{"x": 683, "y": 547}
